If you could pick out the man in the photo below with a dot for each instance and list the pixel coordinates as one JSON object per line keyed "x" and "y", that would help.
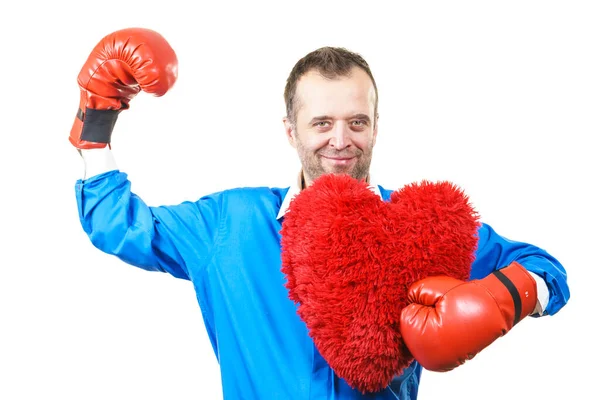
{"x": 228, "y": 245}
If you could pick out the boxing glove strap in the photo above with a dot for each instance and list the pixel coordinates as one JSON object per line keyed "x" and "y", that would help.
{"x": 514, "y": 293}
{"x": 521, "y": 288}
{"x": 98, "y": 125}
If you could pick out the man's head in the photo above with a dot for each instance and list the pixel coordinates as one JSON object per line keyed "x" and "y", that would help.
{"x": 331, "y": 102}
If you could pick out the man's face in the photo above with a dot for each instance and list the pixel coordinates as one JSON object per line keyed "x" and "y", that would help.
{"x": 335, "y": 127}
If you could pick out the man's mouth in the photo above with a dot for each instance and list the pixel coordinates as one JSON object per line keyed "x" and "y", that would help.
{"x": 337, "y": 160}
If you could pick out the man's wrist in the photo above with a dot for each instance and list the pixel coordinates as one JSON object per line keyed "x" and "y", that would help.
{"x": 543, "y": 294}
{"x": 97, "y": 161}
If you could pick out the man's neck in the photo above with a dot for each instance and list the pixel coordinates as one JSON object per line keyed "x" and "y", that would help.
{"x": 302, "y": 183}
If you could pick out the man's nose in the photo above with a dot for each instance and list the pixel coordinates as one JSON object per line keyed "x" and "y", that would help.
{"x": 340, "y": 136}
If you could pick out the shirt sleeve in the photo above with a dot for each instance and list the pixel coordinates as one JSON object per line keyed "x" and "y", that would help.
{"x": 168, "y": 239}
{"x": 496, "y": 252}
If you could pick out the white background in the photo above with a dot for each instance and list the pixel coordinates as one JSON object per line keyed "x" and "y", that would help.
{"x": 502, "y": 98}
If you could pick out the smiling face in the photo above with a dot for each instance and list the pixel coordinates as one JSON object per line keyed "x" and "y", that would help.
{"x": 335, "y": 127}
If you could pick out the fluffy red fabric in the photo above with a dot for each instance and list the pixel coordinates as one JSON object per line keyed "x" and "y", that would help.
{"x": 349, "y": 259}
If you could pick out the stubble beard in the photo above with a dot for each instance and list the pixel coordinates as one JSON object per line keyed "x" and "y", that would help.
{"x": 312, "y": 164}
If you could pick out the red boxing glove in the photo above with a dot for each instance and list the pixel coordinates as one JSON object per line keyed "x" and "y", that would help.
{"x": 122, "y": 63}
{"x": 449, "y": 321}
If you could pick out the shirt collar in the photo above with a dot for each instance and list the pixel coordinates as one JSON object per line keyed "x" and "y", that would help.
{"x": 296, "y": 187}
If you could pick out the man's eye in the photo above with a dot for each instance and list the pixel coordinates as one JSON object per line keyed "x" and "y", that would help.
{"x": 321, "y": 124}
{"x": 359, "y": 122}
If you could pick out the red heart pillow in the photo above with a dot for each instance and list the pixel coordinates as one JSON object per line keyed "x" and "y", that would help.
{"x": 349, "y": 258}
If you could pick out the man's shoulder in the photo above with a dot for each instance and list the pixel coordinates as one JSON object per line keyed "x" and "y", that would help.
{"x": 249, "y": 196}
{"x": 255, "y": 191}
{"x": 255, "y": 200}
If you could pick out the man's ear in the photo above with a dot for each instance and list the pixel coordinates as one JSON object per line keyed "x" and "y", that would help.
{"x": 290, "y": 132}
{"x": 375, "y": 129}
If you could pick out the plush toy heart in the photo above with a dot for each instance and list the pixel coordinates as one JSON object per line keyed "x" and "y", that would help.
{"x": 349, "y": 258}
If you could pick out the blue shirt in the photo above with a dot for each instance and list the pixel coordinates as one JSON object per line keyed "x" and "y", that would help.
{"x": 228, "y": 245}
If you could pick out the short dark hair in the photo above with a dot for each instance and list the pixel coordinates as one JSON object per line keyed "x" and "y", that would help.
{"x": 330, "y": 62}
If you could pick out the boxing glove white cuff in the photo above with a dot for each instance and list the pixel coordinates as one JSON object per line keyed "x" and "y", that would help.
{"x": 97, "y": 161}
{"x": 542, "y": 292}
